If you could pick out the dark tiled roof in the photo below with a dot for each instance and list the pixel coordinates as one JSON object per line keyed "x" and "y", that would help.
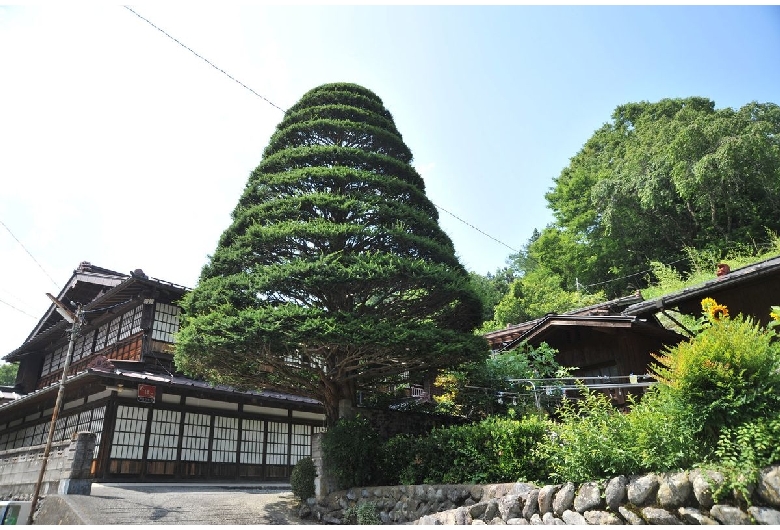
{"x": 709, "y": 288}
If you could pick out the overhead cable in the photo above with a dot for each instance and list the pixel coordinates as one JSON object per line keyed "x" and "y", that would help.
{"x": 29, "y": 254}
{"x": 278, "y": 107}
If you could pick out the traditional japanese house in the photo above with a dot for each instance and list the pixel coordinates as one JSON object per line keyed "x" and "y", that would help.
{"x": 152, "y": 423}
{"x": 598, "y": 341}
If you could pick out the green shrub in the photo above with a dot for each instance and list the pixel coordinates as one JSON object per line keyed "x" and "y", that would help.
{"x": 743, "y": 450}
{"x": 492, "y": 451}
{"x": 728, "y": 374}
{"x": 349, "y": 451}
{"x": 594, "y": 440}
{"x": 362, "y": 513}
{"x": 302, "y": 478}
{"x": 591, "y": 441}
{"x": 664, "y": 433}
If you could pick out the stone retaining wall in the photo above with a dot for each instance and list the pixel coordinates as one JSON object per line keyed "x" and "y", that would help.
{"x": 67, "y": 471}
{"x": 674, "y": 498}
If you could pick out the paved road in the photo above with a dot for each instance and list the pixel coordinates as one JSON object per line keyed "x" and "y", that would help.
{"x": 176, "y": 504}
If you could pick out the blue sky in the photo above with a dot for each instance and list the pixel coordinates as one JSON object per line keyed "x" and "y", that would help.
{"x": 120, "y": 147}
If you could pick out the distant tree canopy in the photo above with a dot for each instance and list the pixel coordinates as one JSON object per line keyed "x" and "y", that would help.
{"x": 334, "y": 272}
{"x": 656, "y": 182}
{"x": 8, "y": 374}
{"x": 657, "y": 179}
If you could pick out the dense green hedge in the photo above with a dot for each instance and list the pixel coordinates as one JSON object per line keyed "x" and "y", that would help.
{"x": 716, "y": 404}
{"x": 491, "y": 451}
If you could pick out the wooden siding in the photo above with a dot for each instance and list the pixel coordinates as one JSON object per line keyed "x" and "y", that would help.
{"x": 126, "y": 350}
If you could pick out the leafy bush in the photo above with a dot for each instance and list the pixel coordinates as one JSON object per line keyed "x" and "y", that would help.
{"x": 463, "y": 391}
{"x": 594, "y": 440}
{"x": 743, "y": 450}
{"x": 302, "y": 478}
{"x": 349, "y": 449}
{"x": 729, "y": 373}
{"x": 491, "y": 451}
{"x": 362, "y": 513}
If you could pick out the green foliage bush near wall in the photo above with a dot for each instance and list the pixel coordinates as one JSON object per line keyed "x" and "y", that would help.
{"x": 716, "y": 404}
{"x": 302, "y": 478}
{"x": 491, "y": 451}
{"x": 349, "y": 450}
{"x": 729, "y": 374}
{"x": 594, "y": 440}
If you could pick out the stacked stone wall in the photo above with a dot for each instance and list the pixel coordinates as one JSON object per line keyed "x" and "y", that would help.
{"x": 67, "y": 470}
{"x": 673, "y": 498}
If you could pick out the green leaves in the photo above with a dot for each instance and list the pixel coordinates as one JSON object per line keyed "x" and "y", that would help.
{"x": 334, "y": 272}
{"x": 661, "y": 177}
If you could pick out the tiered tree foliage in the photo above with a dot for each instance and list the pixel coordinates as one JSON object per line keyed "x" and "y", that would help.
{"x": 334, "y": 272}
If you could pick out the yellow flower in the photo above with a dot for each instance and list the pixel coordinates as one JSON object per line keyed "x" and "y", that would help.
{"x": 713, "y": 310}
{"x": 719, "y": 311}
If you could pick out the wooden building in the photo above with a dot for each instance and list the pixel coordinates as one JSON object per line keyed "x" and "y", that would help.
{"x": 598, "y": 340}
{"x": 152, "y": 423}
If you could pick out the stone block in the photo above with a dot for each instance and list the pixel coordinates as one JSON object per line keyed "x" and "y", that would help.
{"x": 531, "y": 504}
{"x": 598, "y": 517}
{"x": 615, "y": 492}
{"x": 546, "y": 496}
{"x": 510, "y": 506}
{"x": 702, "y": 482}
{"x": 769, "y": 486}
{"x": 588, "y": 497}
{"x": 659, "y": 516}
{"x": 674, "y": 490}
{"x": 564, "y": 499}
{"x": 729, "y": 515}
{"x": 694, "y": 516}
{"x": 764, "y": 515}
{"x": 642, "y": 489}
{"x": 573, "y": 518}
{"x": 629, "y": 516}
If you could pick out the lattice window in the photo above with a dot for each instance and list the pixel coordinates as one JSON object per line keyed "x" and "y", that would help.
{"x": 130, "y": 321}
{"x": 100, "y": 341}
{"x": 55, "y": 360}
{"x": 166, "y": 322}
{"x": 300, "y": 446}
{"x": 41, "y": 433}
{"x": 29, "y": 436}
{"x": 164, "y": 438}
{"x": 195, "y": 442}
{"x": 113, "y": 331}
{"x": 83, "y": 346}
{"x": 129, "y": 432}
{"x": 252, "y": 441}
{"x": 276, "y": 449}
{"x": 225, "y": 439}
{"x": 96, "y": 425}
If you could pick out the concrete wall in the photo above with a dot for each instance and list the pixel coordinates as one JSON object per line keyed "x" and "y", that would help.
{"x": 673, "y": 498}
{"x": 67, "y": 471}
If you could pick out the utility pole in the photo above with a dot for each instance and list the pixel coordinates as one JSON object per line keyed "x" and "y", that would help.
{"x": 75, "y": 320}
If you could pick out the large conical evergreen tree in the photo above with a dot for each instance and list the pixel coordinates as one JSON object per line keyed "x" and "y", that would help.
{"x": 334, "y": 272}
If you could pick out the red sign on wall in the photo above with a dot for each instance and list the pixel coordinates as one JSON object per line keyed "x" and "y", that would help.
{"x": 146, "y": 393}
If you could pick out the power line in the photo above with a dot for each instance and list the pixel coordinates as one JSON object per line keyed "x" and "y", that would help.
{"x": 278, "y": 107}
{"x": 203, "y": 58}
{"x": 14, "y": 307}
{"x": 630, "y": 275}
{"x": 29, "y": 254}
{"x": 477, "y": 229}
